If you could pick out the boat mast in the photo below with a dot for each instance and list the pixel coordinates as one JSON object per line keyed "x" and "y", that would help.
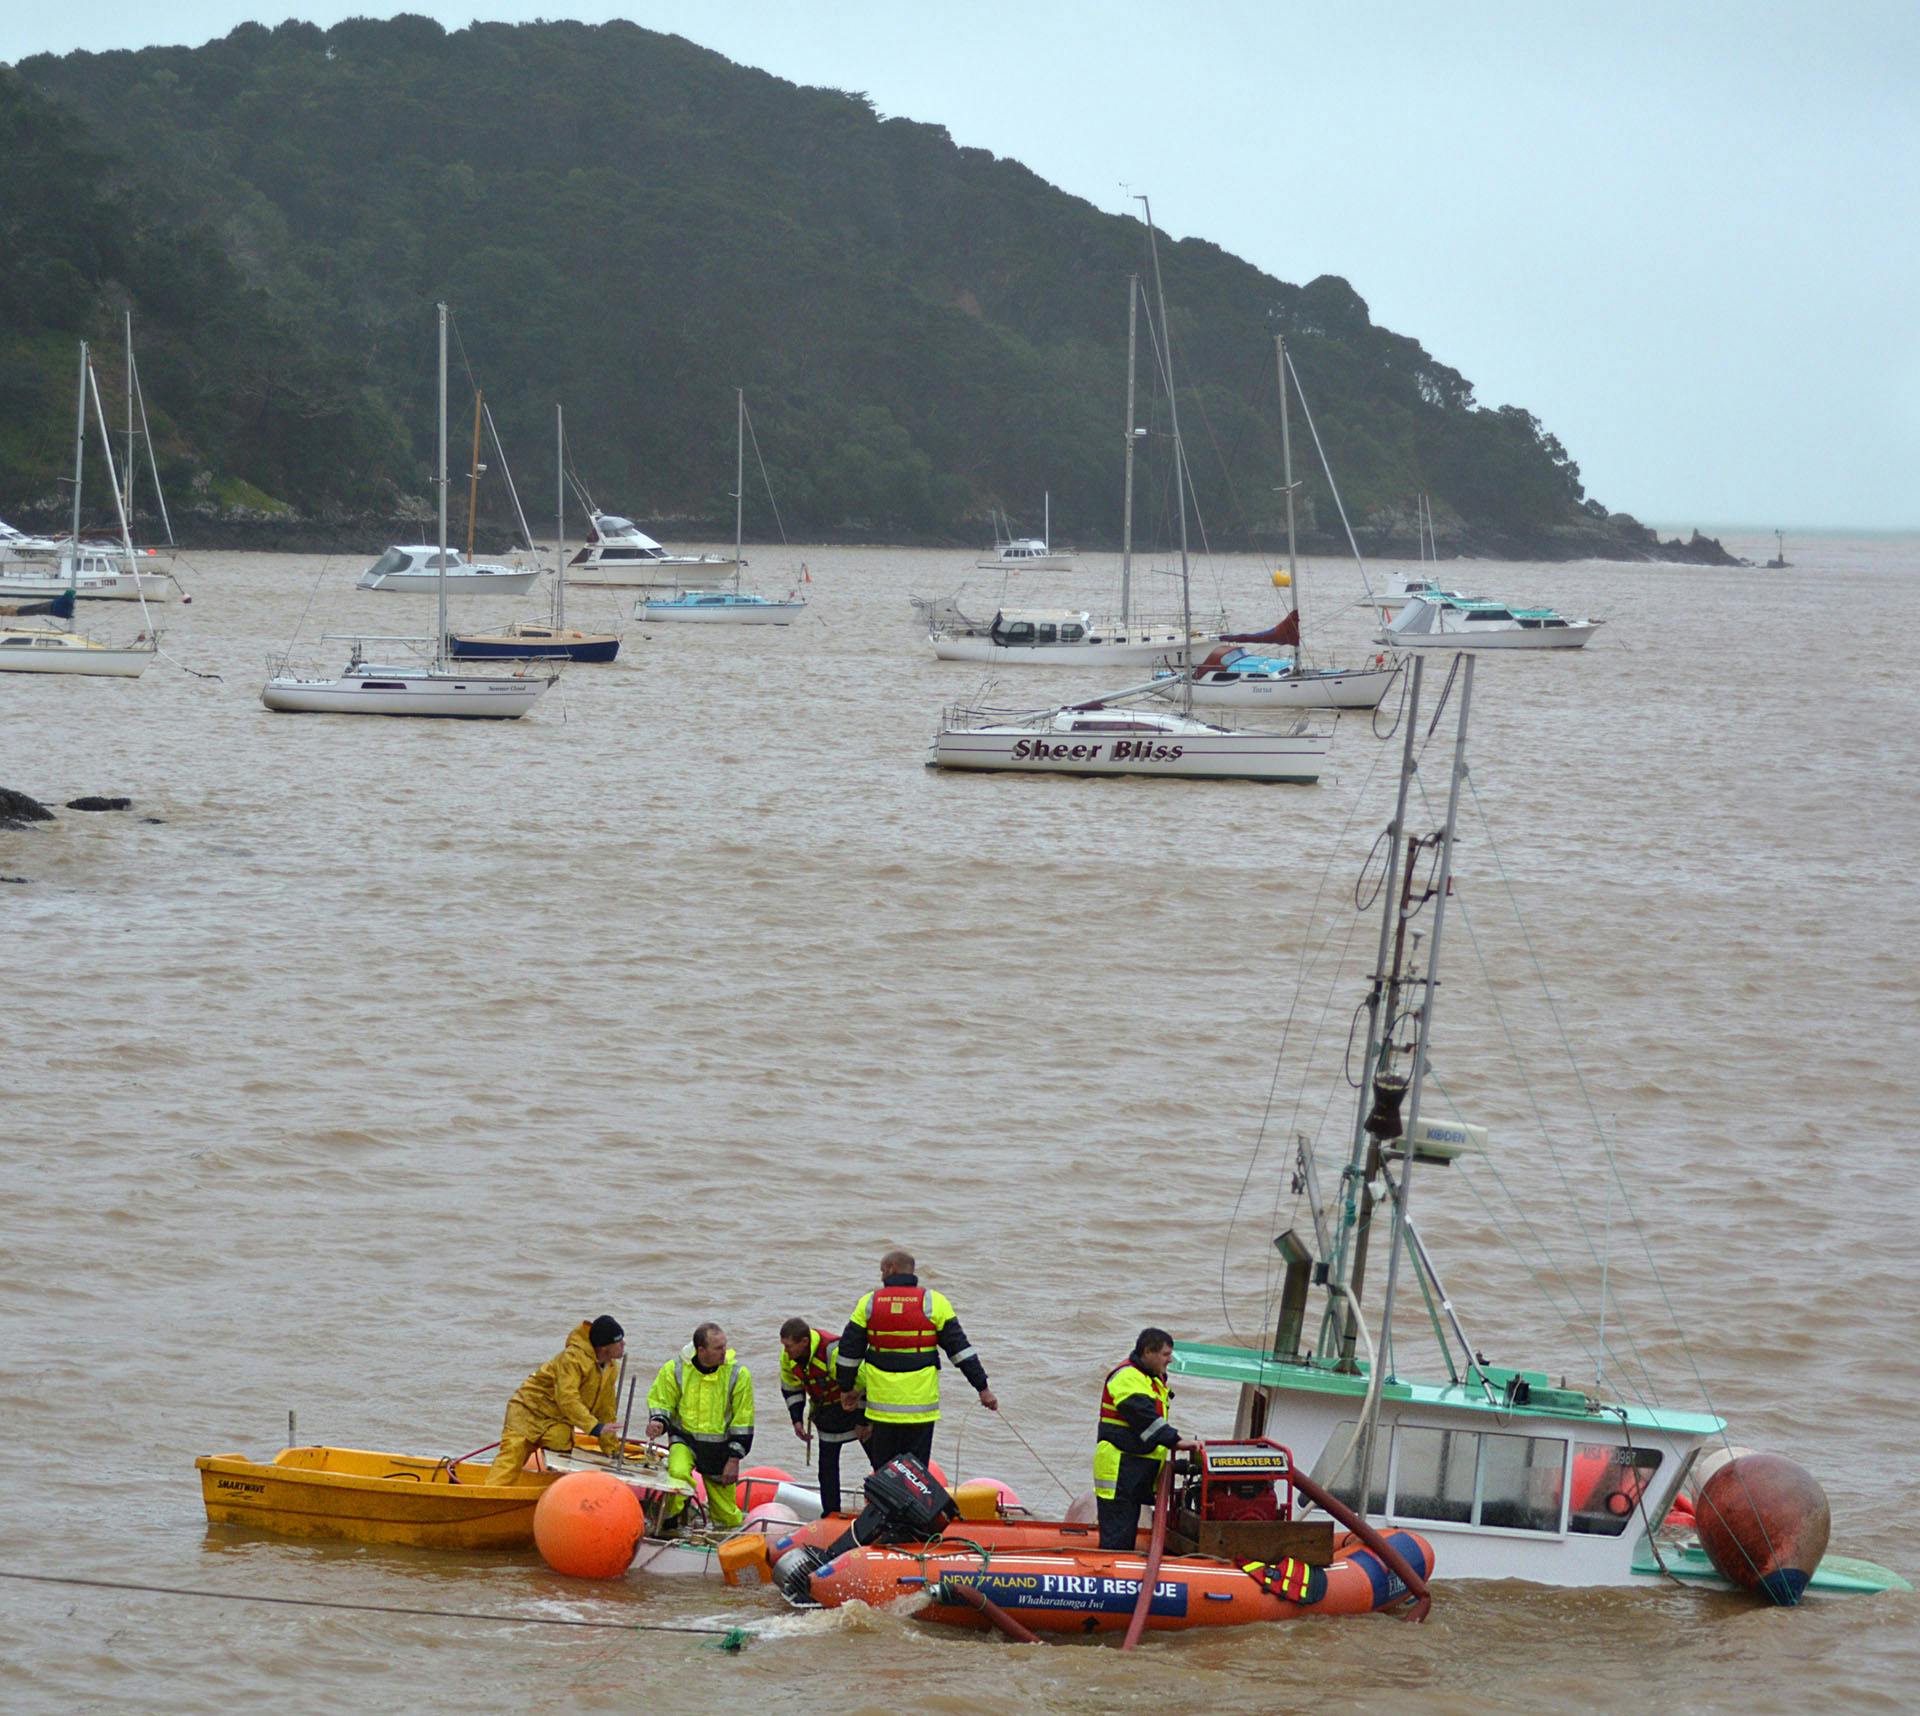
{"x": 560, "y": 518}
{"x": 1286, "y": 469}
{"x": 79, "y": 460}
{"x": 1345, "y": 1268}
{"x": 440, "y": 482}
{"x": 1126, "y": 514}
{"x": 127, "y": 494}
{"x": 1179, "y": 468}
{"x": 1046, "y": 519}
{"x": 739, "y": 476}
{"x": 473, "y": 475}
{"x": 113, "y": 479}
{"x": 1423, "y": 1035}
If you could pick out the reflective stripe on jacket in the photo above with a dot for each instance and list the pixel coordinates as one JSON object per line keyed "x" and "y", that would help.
{"x": 707, "y": 1408}
{"x": 899, "y": 1327}
{"x": 814, "y": 1378}
{"x": 1134, "y": 1428}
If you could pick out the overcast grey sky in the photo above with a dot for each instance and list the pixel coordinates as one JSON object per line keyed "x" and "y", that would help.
{"x": 1685, "y": 235}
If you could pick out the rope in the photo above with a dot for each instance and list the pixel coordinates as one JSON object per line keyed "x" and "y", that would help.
{"x": 1035, "y": 1452}
{"x": 379, "y": 1608}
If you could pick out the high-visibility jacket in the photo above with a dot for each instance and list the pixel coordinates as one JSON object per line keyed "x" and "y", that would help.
{"x": 571, "y": 1387}
{"x": 712, "y": 1410}
{"x": 815, "y": 1380}
{"x": 892, "y": 1344}
{"x": 1135, "y": 1434}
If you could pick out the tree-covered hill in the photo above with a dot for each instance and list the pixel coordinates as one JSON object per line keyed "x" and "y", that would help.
{"x": 634, "y": 226}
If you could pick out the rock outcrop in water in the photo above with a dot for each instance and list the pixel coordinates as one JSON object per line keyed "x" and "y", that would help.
{"x": 17, "y": 810}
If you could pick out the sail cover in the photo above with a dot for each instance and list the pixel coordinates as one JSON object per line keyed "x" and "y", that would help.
{"x": 1286, "y": 632}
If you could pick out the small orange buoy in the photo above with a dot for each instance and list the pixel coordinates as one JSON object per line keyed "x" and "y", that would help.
{"x": 588, "y": 1525}
{"x": 1764, "y": 1523}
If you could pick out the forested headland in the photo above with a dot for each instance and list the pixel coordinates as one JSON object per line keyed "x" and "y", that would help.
{"x": 634, "y": 226}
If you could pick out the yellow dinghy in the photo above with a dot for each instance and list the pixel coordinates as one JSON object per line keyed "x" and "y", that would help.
{"x": 370, "y": 1497}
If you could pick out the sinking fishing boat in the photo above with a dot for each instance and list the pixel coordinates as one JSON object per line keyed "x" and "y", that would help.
{"x": 1509, "y": 1472}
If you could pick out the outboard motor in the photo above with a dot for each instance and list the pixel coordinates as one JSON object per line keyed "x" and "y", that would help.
{"x": 905, "y": 1504}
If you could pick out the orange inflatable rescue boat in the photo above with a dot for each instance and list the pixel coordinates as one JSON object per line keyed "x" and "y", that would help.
{"x": 1225, "y": 1551}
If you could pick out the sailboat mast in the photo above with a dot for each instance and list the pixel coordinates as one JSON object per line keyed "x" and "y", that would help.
{"x": 1046, "y": 518}
{"x": 1179, "y": 465}
{"x": 127, "y": 494}
{"x": 1354, "y": 1195}
{"x": 113, "y": 479}
{"x": 1126, "y": 510}
{"x": 473, "y": 474}
{"x": 440, "y": 482}
{"x": 739, "y": 477}
{"x": 1430, "y": 994}
{"x": 79, "y": 454}
{"x": 560, "y": 518}
{"x": 1286, "y": 470}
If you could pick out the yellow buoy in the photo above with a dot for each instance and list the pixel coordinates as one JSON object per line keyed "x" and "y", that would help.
{"x": 1281, "y": 578}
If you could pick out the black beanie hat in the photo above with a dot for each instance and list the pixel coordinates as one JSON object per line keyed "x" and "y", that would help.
{"x": 605, "y": 1332}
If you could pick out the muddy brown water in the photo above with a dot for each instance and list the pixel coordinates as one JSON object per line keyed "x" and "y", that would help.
{"x": 394, "y": 1048}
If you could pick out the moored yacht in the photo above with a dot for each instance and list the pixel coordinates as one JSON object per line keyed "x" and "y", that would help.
{"x": 421, "y": 568}
{"x": 1442, "y": 620}
{"x": 619, "y": 555}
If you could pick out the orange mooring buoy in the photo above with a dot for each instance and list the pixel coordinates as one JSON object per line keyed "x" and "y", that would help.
{"x": 588, "y": 1524}
{"x": 1764, "y": 1523}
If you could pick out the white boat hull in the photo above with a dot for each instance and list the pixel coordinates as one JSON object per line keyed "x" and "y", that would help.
{"x": 97, "y": 661}
{"x": 668, "y": 574}
{"x": 1358, "y": 690}
{"x": 35, "y": 585}
{"x": 737, "y": 614}
{"x": 1031, "y": 563}
{"x": 465, "y": 582}
{"x": 1296, "y": 759}
{"x": 1482, "y": 638}
{"x": 477, "y": 697}
{"x": 1136, "y": 650}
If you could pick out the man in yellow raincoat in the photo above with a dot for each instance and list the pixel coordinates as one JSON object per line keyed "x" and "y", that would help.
{"x": 577, "y": 1389}
{"x": 703, "y": 1401}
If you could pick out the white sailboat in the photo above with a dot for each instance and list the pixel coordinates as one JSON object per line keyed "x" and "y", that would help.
{"x": 706, "y": 605}
{"x": 1236, "y": 676}
{"x": 31, "y": 646}
{"x": 1107, "y": 735}
{"x": 1034, "y": 636}
{"x": 428, "y": 684}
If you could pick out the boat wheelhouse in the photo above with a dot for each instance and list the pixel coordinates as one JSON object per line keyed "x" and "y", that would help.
{"x": 721, "y": 607}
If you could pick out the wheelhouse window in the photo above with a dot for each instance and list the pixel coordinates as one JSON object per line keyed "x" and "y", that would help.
{"x": 1072, "y": 634}
{"x": 1018, "y": 632}
{"x": 1345, "y": 1483}
{"x": 1520, "y": 1482}
{"x": 1609, "y": 1483}
{"x": 1434, "y": 1478}
{"x": 1488, "y": 614}
{"x": 394, "y": 560}
{"x": 1046, "y": 634}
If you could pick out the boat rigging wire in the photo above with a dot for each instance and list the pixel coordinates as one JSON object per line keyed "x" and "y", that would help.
{"x": 739, "y": 1633}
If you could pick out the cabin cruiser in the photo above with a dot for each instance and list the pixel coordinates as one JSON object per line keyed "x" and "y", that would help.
{"x": 619, "y": 555}
{"x": 1442, "y": 620}
{"x": 417, "y": 567}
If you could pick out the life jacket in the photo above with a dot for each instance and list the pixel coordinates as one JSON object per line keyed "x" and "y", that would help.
{"x": 815, "y": 1375}
{"x": 1293, "y": 1580}
{"x": 1116, "y": 1437}
{"x": 901, "y": 1367}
